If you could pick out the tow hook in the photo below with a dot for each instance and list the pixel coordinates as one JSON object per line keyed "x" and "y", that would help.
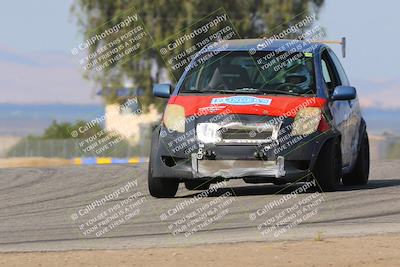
{"x": 200, "y": 153}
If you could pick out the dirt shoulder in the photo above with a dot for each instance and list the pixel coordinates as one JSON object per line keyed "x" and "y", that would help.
{"x": 34, "y": 162}
{"x": 352, "y": 251}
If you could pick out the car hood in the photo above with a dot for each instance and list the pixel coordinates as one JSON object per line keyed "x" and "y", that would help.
{"x": 244, "y": 104}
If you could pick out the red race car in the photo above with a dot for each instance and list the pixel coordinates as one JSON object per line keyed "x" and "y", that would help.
{"x": 277, "y": 113}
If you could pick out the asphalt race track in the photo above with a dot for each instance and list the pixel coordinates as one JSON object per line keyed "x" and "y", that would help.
{"x": 46, "y": 209}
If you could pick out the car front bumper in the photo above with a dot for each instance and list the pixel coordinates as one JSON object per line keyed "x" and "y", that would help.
{"x": 237, "y": 168}
{"x": 287, "y": 161}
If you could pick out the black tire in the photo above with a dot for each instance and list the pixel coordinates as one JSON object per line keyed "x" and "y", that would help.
{"x": 328, "y": 167}
{"x": 359, "y": 175}
{"x": 159, "y": 187}
{"x": 197, "y": 185}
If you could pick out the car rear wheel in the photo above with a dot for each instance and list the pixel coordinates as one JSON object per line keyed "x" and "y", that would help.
{"x": 359, "y": 175}
{"x": 328, "y": 168}
{"x": 197, "y": 185}
{"x": 159, "y": 187}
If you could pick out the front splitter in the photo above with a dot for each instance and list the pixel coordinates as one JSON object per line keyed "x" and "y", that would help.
{"x": 237, "y": 168}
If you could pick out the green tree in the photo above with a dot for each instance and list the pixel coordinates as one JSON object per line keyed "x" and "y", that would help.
{"x": 164, "y": 18}
{"x": 57, "y": 131}
{"x": 63, "y": 130}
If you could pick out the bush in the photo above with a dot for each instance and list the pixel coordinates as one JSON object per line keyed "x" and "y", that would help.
{"x": 63, "y": 130}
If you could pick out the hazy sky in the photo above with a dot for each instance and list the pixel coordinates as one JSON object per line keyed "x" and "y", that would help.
{"x": 36, "y": 38}
{"x": 373, "y": 35}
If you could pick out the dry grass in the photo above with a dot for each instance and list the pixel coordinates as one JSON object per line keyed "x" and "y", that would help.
{"x": 368, "y": 251}
{"x": 34, "y": 162}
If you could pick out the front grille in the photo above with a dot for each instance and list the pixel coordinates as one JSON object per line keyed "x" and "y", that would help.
{"x": 237, "y": 133}
{"x": 233, "y": 134}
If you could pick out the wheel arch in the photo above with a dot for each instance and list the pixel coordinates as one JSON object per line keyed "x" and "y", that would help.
{"x": 334, "y": 135}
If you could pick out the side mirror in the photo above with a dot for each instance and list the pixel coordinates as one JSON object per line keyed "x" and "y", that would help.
{"x": 162, "y": 90}
{"x": 344, "y": 93}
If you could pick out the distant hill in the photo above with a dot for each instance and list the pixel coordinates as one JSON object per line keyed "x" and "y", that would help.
{"x": 22, "y": 120}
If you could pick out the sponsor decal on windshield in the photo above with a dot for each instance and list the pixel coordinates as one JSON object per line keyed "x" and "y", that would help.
{"x": 241, "y": 100}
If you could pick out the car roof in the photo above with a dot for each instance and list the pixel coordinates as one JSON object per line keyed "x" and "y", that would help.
{"x": 266, "y": 45}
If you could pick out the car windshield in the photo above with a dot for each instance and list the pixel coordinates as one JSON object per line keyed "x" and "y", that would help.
{"x": 238, "y": 72}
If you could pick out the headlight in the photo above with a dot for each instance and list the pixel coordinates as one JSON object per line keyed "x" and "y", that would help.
{"x": 306, "y": 121}
{"x": 174, "y": 118}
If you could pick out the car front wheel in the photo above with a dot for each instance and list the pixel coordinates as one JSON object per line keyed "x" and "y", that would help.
{"x": 328, "y": 167}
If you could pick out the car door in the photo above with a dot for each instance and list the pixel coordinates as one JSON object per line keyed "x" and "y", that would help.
{"x": 355, "y": 114}
{"x": 340, "y": 110}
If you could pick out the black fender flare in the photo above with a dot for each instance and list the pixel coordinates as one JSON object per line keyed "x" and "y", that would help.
{"x": 155, "y": 137}
{"x": 362, "y": 130}
{"x": 332, "y": 134}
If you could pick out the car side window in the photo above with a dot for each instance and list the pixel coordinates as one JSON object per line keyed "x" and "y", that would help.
{"x": 342, "y": 74}
{"x": 325, "y": 72}
{"x": 329, "y": 72}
